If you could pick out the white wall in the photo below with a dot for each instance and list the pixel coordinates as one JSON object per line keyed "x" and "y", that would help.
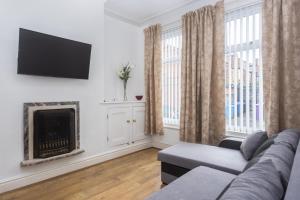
{"x": 79, "y": 20}
{"x": 123, "y": 43}
{"x": 113, "y": 43}
{"x": 73, "y": 19}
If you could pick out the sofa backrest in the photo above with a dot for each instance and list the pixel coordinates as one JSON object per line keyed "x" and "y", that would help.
{"x": 293, "y": 189}
{"x": 285, "y": 156}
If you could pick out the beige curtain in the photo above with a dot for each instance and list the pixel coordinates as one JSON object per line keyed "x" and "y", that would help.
{"x": 202, "y": 118}
{"x": 281, "y": 62}
{"x": 153, "y": 116}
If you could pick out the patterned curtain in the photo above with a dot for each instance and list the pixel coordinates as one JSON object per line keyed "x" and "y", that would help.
{"x": 153, "y": 116}
{"x": 202, "y": 118}
{"x": 281, "y": 62}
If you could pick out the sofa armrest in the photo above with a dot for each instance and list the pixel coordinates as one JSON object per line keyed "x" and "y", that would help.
{"x": 231, "y": 143}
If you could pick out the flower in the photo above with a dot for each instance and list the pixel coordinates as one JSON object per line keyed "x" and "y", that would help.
{"x": 124, "y": 71}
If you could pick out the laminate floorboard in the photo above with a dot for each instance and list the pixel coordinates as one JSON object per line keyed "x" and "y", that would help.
{"x": 131, "y": 177}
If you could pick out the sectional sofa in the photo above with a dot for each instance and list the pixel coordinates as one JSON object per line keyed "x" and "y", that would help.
{"x": 203, "y": 172}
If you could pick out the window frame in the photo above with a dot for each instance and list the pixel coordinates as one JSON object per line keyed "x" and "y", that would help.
{"x": 171, "y": 30}
{"x": 232, "y": 50}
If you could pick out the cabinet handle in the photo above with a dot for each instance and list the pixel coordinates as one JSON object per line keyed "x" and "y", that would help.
{"x": 128, "y": 121}
{"x": 134, "y": 120}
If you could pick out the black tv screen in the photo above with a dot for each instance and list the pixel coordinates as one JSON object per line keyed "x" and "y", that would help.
{"x": 46, "y": 55}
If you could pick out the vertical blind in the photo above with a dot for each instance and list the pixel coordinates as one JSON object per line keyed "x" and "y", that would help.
{"x": 243, "y": 70}
{"x": 171, "y": 63}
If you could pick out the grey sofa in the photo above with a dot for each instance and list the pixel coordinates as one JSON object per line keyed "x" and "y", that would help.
{"x": 203, "y": 172}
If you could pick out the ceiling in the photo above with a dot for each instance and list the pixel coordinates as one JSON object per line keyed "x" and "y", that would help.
{"x": 138, "y": 11}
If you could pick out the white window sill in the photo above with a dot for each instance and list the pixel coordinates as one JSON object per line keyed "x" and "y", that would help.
{"x": 171, "y": 126}
{"x": 235, "y": 134}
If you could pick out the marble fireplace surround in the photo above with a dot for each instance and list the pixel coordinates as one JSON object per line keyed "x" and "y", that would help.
{"x": 29, "y": 109}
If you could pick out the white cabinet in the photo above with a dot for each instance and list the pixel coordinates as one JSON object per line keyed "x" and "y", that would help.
{"x": 138, "y": 125}
{"x": 119, "y": 126}
{"x": 125, "y": 122}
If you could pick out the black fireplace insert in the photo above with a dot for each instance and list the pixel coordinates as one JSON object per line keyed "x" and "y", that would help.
{"x": 54, "y": 132}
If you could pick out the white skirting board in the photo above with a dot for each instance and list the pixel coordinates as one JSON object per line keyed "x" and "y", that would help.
{"x": 14, "y": 183}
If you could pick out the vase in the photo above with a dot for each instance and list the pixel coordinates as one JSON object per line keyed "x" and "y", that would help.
{"x": 125, "y": 93}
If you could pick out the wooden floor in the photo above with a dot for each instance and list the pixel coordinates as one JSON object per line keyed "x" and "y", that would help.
{"x": 131, "y": 177}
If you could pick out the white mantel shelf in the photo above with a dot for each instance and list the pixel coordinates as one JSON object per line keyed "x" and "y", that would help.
{"x": 122, "y": 102}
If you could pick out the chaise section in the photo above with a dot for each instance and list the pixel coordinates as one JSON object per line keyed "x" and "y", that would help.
{"x": 201, "y": 183}
{"x": 206, "y": 171}
{"x": 188, "y": 156}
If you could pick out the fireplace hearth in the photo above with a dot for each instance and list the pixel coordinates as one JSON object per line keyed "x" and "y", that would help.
{"x": 51, "y": 131}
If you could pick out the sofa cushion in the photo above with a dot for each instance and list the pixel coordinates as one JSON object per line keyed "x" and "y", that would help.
{"x": 189, "y": 156}
{"x": 254, "y": 160}
{"x": 224, "y": 190}
{"x": 199, "y": 183}
{"x": 265, "y": 145}
{"x": 289, "y": 137}
{"x": 252, "y": 142}
{"x": 262, "y": 181}
{"x": 260, "y": 151}
{"x": 293, "y": 191}
{"x": 282, "y": 157}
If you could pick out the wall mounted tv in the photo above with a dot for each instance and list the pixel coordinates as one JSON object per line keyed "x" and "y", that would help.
{"x": 46, "y": 55}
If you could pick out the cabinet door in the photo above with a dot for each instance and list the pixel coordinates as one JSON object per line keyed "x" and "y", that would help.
{"x": 119, "y": 125}
{"x": 138, "y": 118}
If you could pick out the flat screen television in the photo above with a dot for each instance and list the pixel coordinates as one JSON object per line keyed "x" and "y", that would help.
{"x": 46, "y": 55}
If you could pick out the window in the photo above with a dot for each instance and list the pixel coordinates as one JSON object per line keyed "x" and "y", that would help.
{"x": 243, "y": 71}
{"x": 171, "y": 63}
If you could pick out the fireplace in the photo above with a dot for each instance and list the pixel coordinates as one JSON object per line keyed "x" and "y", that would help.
{"x": 54, "y": 132}
{"x": 51, "y": 131}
